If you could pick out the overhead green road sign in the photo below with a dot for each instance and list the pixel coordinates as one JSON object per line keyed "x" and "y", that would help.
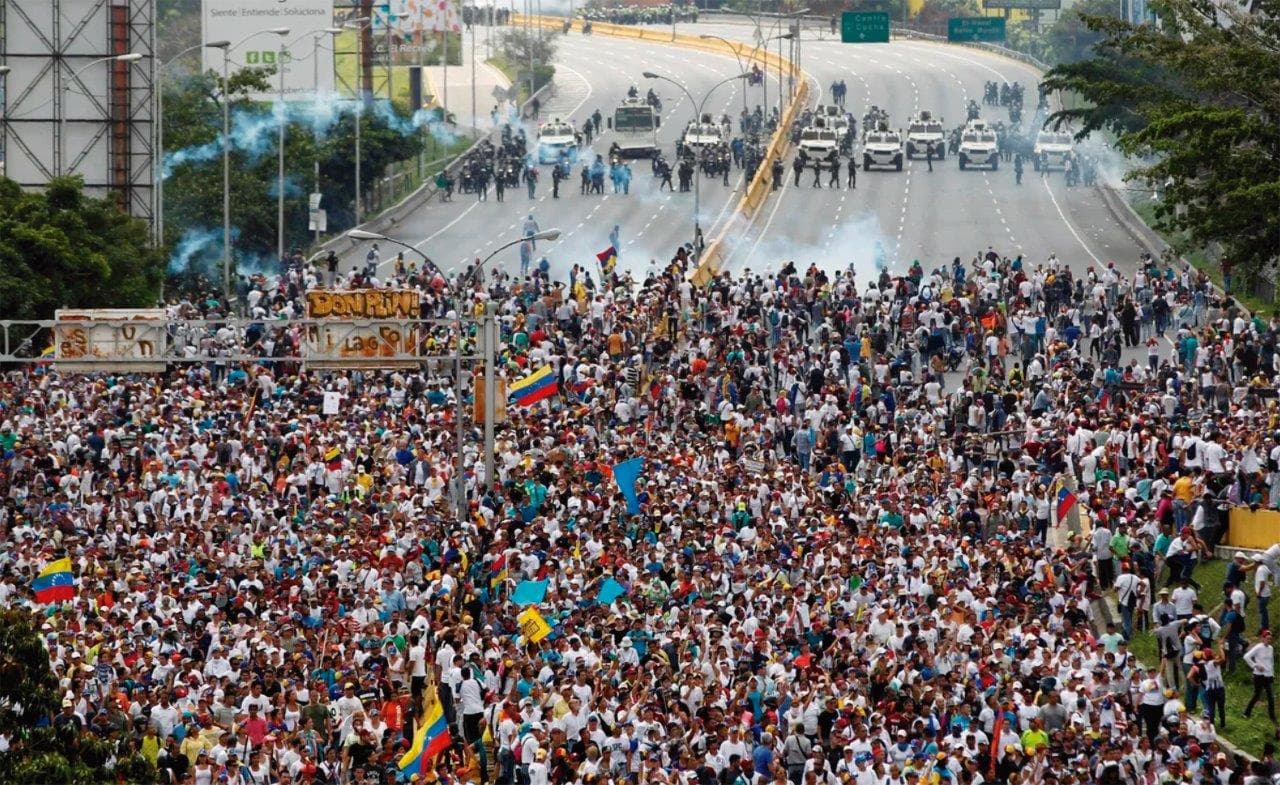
{"x": 975, "y": 28}
{"x": 864, "y": 27}
{"x": 1026, "y": 5}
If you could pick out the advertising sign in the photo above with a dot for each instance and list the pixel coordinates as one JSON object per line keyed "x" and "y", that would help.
{"x": 110, "y": 339}
{"x": 245, "y": 24}
{"x": 362, "y": 328}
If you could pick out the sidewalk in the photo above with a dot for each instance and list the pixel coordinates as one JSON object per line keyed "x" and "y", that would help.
{"x": 456, "y": 85}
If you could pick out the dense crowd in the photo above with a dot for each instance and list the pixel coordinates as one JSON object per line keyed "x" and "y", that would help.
{"x": 848, "y": 564}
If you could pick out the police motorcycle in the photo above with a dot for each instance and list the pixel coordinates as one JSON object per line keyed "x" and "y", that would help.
{"x": 973, "y": 110}
{"x": 654, "y": 101}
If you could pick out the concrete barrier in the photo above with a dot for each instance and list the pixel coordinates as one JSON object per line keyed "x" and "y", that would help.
{"x": 1253, "y": 529}
{"x": 757, "y": 191}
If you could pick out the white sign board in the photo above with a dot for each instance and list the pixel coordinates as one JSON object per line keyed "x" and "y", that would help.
{"x": 110, "y": 339}
{"x": 245, "y": 24}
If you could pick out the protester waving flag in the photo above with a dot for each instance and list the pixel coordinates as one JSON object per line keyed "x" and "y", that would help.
{"x": 537, "y": 386}
{"x": 431, "y": 739}
{"x": 55, "y": 583}
{"x": 608, "y": 259}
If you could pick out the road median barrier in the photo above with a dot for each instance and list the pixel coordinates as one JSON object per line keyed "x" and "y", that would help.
{"x": 757, "y": 191}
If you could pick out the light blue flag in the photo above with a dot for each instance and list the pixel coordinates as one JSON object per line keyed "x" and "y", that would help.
{"x": 626, "y": 474}
{"x": 529, "y": 592}
{"x": 610, "y": 590}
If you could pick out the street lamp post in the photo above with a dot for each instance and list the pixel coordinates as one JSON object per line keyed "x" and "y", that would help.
{"x": 226, "y": 48}
{"x": 742, "y": 68}
{"x": 697, "y": 118}
{"x": 459, "y": 292}
{"x": 158, "y": 164}
{"x": 359, "y": 25}
{"x": 63, "y": 167}
{"x": 315, "y": 80}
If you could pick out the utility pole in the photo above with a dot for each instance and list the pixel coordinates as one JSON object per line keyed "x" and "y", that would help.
{"x": 490, "y": 345}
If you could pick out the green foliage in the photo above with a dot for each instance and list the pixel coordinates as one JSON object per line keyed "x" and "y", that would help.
{"x": 38, "y": 754}
{"x": 61, "y": 248}
{"x": 1199, "y": 103}
{"x": 935, "y": 13}
{"x": 517, "y": 47}
{"x": 1071, "y": 39}
{"x": 193, "y": 191}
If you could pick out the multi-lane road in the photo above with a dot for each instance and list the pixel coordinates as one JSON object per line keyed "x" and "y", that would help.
{"x": 913, "y": 214}
{"x": 593, "y": 73}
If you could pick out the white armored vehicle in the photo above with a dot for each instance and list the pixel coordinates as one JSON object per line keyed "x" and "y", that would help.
{"x": 979, "y": 146}
{"x": 1051, "y": 150}
{"x": 922, "y": 130}
{"x": 882, "y": 148}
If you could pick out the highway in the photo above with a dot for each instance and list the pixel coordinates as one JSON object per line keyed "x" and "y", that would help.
{"x": 913, "y": 214}
{"x": 917, "y": 214}
{"x": 592, "y": 72}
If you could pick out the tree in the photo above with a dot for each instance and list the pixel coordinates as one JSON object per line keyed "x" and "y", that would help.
{"x": 1070, "y": 38}
{"x": 314, "y": 133}
{"x": 519, "y": 48}
{"x": 935, "y": 13}
{"x": 1199, "y": 101}
{"x": 29, "y": 698}
{"x": 61, "y": 248}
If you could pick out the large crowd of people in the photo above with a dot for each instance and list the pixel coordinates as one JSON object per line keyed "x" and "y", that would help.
{"x": 853, "y": 559}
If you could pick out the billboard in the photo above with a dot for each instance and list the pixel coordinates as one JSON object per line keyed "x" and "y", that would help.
{"x": 244, "y": 23}
{"x": 110, "y": 339}
{"x": 362, "y": 328}
{"x": 65, "y": 110}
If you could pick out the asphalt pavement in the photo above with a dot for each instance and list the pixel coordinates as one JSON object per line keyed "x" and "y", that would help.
{"x": 913, "y": 214}
{"x": 918, "y": 214}
{"x": 592, "y": 72}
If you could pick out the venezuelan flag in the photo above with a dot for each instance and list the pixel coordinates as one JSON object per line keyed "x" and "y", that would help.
{"x": 499, "y": 572}
{"x": 431, "y": 739}
{"x": 55, "y": 583}
{"x": 1066, "y": 500}
{"x": 608, "y": 259}
{"x": 534, "y": 387}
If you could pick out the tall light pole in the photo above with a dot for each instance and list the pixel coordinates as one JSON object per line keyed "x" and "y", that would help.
{"x": 779, "y": 39}
{"x": 226, "y": 48}
{"x": 734, "y": 47}
{"x": 63, "y": 167}
{"x": 315, "y": 80}
{"x": 282, "y": 118}
{"x": 158, "y": 165}
{"x": 359, "y": 25}
{"x": 697, "y": 118}
{"x": 459, "y": 297}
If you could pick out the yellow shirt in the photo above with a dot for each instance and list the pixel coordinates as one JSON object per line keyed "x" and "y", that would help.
{"x": 151, "y": 748}
{"x": 1033, "y": 740}
{"x": 1183, "y": 489}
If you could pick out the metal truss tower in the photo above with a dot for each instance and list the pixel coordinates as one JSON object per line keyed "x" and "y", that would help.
{"x": 70, "y": 107}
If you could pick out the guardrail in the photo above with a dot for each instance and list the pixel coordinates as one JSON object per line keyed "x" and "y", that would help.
{"x": 757, "y": 190}
{"x": 399, "y": 211}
